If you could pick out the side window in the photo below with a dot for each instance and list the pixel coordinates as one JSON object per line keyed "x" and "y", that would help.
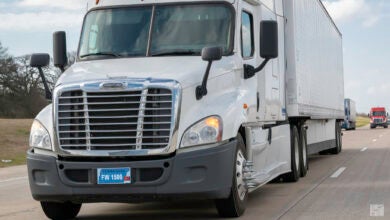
{"x": 247, "y": 43}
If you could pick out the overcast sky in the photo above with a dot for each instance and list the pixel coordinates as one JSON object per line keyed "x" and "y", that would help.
{"x": 26, "y": 26}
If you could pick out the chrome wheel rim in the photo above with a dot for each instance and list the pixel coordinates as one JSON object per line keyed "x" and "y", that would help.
{"x": 241, "y": 188}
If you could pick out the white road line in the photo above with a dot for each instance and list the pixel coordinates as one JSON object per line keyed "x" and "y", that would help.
{"x": 13, "y": 179}
{"x": 338, "y": 172}
{"x": 373, "y": 140}
{"x": 364, "y": 149}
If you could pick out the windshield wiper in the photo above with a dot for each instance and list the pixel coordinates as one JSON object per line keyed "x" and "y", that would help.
{"x": 169, "y": 53}
{"x": 101, "y": 54}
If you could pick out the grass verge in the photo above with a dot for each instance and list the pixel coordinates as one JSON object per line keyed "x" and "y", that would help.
{"x": 14, "y": 135}
{"x": 362, "y": 121}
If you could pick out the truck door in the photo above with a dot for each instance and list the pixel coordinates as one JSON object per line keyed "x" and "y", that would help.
{"x": 271, "y": 79}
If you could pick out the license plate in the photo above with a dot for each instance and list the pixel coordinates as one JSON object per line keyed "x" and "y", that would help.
{"x": 114, "y": 175}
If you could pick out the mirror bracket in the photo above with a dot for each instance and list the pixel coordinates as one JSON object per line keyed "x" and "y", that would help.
{"x": 250, "y": 71}
{"x": 48, "y": 94}
{"x": 202, "y": 89}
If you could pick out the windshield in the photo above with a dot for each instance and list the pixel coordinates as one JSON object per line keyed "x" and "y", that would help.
{"x": 166, "y": 30}
{"x": 379, "y": 113}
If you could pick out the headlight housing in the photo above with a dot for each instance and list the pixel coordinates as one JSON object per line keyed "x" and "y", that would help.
{"x": 206, "y": 131}
{"x": 39, "y": 136}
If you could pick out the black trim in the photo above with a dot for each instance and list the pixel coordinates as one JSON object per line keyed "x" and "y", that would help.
{"x": 153, "y": 5}
{"x": 321, "y": 146}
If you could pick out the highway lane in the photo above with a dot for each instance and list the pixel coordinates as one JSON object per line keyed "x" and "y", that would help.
{"x": 336, "y": 187}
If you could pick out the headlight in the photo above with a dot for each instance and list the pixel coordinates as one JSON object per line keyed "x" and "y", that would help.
{"x": 206, "y": 131}
{"x": 39, "y": 137}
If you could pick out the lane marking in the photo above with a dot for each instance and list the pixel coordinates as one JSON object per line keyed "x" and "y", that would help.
{"x": 364, "y": 149}
{"x": 338, "y": 172}
{"x": 373, "y": 140}
{"x": 13, "y": 179}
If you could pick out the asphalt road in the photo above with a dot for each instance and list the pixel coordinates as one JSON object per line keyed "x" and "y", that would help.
{"x": 352, "y": 185}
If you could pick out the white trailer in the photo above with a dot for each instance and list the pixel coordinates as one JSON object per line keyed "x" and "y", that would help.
{"x": 167, "y": 99}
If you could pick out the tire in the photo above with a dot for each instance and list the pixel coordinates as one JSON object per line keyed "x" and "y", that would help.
{"x": 303, "y": 156}
{"x": 60, "y": 211}
{"x": 234, "y": 206}
{"x": 339, "y": 142}
{"x": 295, "y": 173}
{"x": 386, "y": 126}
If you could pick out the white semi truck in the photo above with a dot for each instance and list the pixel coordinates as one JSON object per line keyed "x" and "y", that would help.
{"x": 187, "y": 99}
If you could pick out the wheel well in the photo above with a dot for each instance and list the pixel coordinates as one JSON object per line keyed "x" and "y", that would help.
{"x": 241, "y": 131}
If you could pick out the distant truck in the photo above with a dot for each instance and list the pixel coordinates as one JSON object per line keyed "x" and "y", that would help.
{"x": 350, "y": 115}
{"x": 378, "y": 117}
{"x": 187, "y": 99}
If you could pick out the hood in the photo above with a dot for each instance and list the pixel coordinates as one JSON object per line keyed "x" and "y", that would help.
{"x": 187, "y": 70}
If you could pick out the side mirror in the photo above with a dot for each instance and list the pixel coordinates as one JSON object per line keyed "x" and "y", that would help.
{"x": 211, "y": 53}
{"x": 269, "y": 48}
{"x": 39, "y": 60}
{"x": 59, "y": 50}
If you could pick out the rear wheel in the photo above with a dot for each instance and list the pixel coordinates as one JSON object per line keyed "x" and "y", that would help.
{"x": 303, "y": 151}
{"x": 339, "y": 142}
{"x": 60, "y": 211}
{"x": 235, "y": 205}
{"x": 295, "y": 173}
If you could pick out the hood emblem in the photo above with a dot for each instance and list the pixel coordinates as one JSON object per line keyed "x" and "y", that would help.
{"x": 113, "y": 85}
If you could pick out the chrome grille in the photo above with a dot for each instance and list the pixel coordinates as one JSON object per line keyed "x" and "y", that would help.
{"x": 378, "y": 120}
{"x": 109, "y": 121}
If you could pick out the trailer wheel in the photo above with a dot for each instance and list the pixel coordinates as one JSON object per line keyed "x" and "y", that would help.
{"x": 339, "y": 142}
{"x": 235, "y": 205}
{"x": 60, "y": 211}
{"x": 295, "y": 173}
{"x": 303, "y": 151}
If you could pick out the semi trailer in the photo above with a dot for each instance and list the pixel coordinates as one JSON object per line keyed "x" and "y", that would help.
{"x": 187, "y": 100}
{"x": 350, "y": 115}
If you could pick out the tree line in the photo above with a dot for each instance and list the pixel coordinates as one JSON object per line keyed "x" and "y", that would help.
{"x": 21, "y": 91}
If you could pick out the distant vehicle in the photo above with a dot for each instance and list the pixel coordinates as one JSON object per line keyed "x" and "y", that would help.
{"x": 350, "y": 115}
{"x": 378, "y": 117}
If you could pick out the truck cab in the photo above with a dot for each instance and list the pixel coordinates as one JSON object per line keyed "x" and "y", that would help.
{"x": 378, "y": 117}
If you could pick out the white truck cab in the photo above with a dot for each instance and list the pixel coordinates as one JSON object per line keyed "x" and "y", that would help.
{"x": 187, "y": 99}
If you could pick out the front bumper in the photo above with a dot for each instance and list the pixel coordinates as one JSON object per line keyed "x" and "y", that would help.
{"x": 206, "y": 173}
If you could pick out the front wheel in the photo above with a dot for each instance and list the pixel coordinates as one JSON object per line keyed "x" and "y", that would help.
{"x": 60, "y": 211}
{"x": 235, "y": 205}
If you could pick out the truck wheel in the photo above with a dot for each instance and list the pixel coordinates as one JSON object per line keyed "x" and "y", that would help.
{"x": 293, "y": 176}
{"x": 235, "y": 205}
{"x": 339, "y": 141}
{"x": 303, "y": 152}
{"x": 386, "y": 126}
{"x": 60, "y": 211}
